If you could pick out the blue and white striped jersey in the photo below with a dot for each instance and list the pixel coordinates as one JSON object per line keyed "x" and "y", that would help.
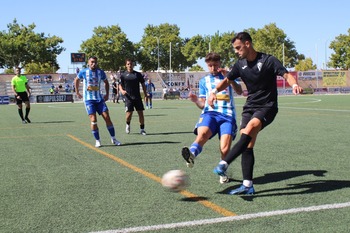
{"x": 225, "y": 102}
{"x": 92, "y": 80}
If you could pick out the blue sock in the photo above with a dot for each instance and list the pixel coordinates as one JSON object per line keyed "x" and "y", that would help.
{"x": 195, "y": 149}
{"x": 111, "y": 130}
{"x": 96, "y": 134}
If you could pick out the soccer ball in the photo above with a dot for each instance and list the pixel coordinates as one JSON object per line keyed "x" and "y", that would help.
{"x": 175, "y": 180}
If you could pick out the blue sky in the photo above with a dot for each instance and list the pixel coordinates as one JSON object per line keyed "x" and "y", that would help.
{"x": 310, "y": 24}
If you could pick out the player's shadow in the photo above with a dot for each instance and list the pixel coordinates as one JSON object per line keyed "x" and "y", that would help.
{"x": 170, "y": 133}
{"x": 308, "y": 187}
{"x": 194, "y": 199}
{"x": 148, "y": 143}
{"x": 50, "y": 122}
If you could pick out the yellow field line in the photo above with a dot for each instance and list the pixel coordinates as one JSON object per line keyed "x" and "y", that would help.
{"x": 185, "y": 193}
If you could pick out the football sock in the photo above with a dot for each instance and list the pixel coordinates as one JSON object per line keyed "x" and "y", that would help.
{"x": 248, "y": 183}
{"x": 142, "y": 126}
{"x": 238, "y": 148}
{"x": 247, "y": 164}
{"x": 111, "y": 130}
{"x": 96, "y": 134}
{"x": 20, "y": 112}
{"x": 195, "y": 149}
{"x": 27, "y": 112}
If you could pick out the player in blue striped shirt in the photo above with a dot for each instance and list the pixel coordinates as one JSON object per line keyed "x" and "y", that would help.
{"x": 93, "y": 99}
{"x": 220, "y": 119}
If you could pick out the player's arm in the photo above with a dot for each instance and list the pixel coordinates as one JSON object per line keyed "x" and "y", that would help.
{"x": 14, "y": 90}
{"x": 144, "y": 89}
{"x": 200, "y": 102}
{"x": 76, "y": 85}
{"x": 293, "y": 83}
{"x": 221, "y": 86}
{"x": 121, "y": 87}
{"x": 237, "y": 87}
{"x": 29, "y": 90}
{"x": 107, "y": 89}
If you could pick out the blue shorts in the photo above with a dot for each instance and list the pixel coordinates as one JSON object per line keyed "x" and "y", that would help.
{"x": 218, "y": 124}
{"x": 150, "y": 95}
{"x": 93, "y": 106}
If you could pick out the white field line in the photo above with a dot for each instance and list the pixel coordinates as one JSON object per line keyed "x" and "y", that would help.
{"x": 228, "y": 219}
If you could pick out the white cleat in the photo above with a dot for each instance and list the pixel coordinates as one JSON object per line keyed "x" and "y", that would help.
{"x": 98, "y": 143}
{"x": 115, "y": 142}
{"x": 143, "y": 132}
{"x": 127, "y": 129}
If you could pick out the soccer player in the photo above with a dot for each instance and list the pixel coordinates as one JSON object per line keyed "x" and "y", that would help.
{"x": 129, "y": 87}
{"x": 20, "y": 87}
{"x": 93, "y": 99}
{"x": 218, "y": 119}
{"x": 259, "y": 72}
{"x": 148, "y": 98}
{"x": 115, "y": 90}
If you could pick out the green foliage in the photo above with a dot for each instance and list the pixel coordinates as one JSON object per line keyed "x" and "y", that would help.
{"x": 20, "y": 45}
{"x": 163, "y": 40}
{"x": 305, "y": 64}
{"x": 39, "y": 68}
{"x": 340, "y": 59}
{"x": 196, "y": 68}
{"x": 110, "y": 45}
{"x": 272, "y": 40}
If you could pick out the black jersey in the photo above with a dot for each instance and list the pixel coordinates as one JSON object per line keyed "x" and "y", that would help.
{"x": 260, "y": 78}
{"x": 131, "y": 83}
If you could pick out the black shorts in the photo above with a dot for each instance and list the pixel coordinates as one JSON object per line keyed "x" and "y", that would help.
{"x": 131, "y": 104}
{"x": 23, "y": 97}
{"x": 265, "y": 115}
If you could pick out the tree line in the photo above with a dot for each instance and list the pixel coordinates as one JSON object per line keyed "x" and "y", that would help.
{"x": 160, "y": 48}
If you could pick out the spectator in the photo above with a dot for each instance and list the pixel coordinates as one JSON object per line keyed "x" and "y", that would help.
{"x": 67, "y": 88}
{"x": 62, "y": 79}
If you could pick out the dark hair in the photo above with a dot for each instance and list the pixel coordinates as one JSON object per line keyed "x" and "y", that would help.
{"x": 129, "y": 59}
{"x": 212, "y": 57}
{"x": 242, "y": 36}
{"x": 93, "y": 57}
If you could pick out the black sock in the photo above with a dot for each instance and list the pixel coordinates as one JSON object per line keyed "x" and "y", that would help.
{"x": 238, "y": 148}
{"x": 247, "y": 163}
{"x": 142, "y": 126}
{"x": 20, "y": 112}
{"x": 27, "y": 112}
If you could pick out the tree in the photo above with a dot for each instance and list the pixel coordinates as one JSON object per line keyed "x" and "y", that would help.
{"x": 340, "y": 59}
{"x": 305, "y": 65}
{"x": 221, "y": 44}
{"x": 111, "y": 46}
{"x": 272, "y": 40}
{"x": 163, "y": 40}
{"x": 20, "y": 45}
{"x": 196, "y": 68}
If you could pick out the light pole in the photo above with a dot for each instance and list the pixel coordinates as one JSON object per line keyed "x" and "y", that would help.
{"x": 325, "y": 53}
{"x": 158, "y": 52}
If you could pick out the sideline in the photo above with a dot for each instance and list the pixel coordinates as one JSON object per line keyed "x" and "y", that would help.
{"x": 229, "y": 219}
{"x": 149, "y": 175}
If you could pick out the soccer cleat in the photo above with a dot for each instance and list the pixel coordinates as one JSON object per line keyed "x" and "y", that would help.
{"x": 24, "y": 122}
{"x": 27, "y": 119}
{"x": 188, "y": 156}
{"x": 224, "y": 179}
{"x": 127, "y": 129}
{"x": 115, "y": 142}
{"x": 243, "y": 190}
{"x": 143, "y": 132}
{"x": 98, "y": 143}
{"x": 220, "y": 169}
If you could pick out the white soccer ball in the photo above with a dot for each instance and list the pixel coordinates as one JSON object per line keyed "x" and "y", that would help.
{"x": 175, "y": 180}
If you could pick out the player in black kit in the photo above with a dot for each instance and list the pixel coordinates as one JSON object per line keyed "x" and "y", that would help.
{"x": 259, "y": 72}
